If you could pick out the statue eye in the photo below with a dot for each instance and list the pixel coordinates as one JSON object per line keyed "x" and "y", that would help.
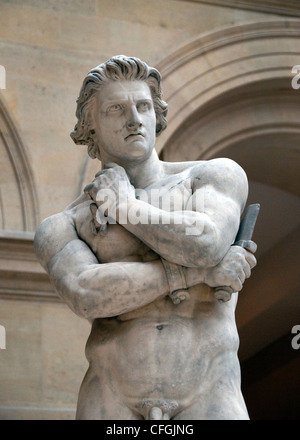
{"x": 143, "y": 106}
{"x": 114, "y": 108}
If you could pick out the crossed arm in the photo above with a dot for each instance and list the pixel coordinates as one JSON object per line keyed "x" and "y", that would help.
{"x": 94, "y": 290}
{"x": 197, "y": 236}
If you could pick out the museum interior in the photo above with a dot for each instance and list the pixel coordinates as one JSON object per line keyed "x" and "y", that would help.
{"x": 230, "y": 73}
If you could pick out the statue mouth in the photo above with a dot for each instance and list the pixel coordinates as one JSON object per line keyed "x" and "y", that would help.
{"x": 134, "y": 135}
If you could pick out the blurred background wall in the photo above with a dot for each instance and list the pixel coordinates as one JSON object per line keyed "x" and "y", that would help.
{"x": 227, "y": 77}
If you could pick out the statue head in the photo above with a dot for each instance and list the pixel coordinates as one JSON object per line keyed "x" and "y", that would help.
{"x": 116, "y": 68}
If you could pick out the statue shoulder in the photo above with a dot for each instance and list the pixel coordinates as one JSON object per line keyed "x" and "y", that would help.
{"x": 221, "y": 169}
{"x": 223, "y": 175}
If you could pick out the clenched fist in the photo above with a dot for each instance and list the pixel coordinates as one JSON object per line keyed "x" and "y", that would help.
{"x": 110, "y": 188}
{"x": 233, "y": 269}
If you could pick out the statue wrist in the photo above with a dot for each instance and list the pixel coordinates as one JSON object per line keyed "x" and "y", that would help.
{"x": 177, "y": 283}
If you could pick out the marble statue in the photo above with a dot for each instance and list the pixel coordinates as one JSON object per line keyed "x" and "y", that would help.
{"x": 140, "y": 253}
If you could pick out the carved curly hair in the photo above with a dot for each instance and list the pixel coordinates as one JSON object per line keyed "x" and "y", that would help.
{"x": 116, "y": 68}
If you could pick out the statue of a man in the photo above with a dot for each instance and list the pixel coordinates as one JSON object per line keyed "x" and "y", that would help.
{"x": 143, "y": 271}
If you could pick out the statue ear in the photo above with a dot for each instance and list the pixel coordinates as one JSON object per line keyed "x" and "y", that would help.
{"x": 94, "y": 150}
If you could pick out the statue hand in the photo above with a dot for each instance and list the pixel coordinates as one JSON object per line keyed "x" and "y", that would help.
{"x": 109, "y": 189}
{"x": 233, "y": 269}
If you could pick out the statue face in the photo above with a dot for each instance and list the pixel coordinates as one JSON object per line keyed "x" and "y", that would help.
{"x": 125, "y": 121}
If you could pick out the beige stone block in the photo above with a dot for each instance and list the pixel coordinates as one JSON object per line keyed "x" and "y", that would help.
{"x": 88, "y": 7}
{"x": 36, "y": 413}
{"x": 113, "y": 37}
{"x": 21, "y": 24}
{"x": 64, "y": 336}
{"x": 21, "y": 362}
{"x": 193, "y": 18}
{"x": 57, "y": 161}
{"x": 43, "y": 364}
{"x": 10, "y": 95}
{"x": 60, "y": 67}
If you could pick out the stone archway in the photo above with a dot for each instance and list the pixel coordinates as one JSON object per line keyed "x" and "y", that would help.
{"x": 19, "y": 209}
{"x": 199, "y": 73}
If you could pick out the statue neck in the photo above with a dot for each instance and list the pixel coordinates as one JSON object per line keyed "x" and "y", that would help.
{"x": 143, "y": 173}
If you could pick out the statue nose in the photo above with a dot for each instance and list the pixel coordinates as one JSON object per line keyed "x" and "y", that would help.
{"x": 133, "y": 118}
